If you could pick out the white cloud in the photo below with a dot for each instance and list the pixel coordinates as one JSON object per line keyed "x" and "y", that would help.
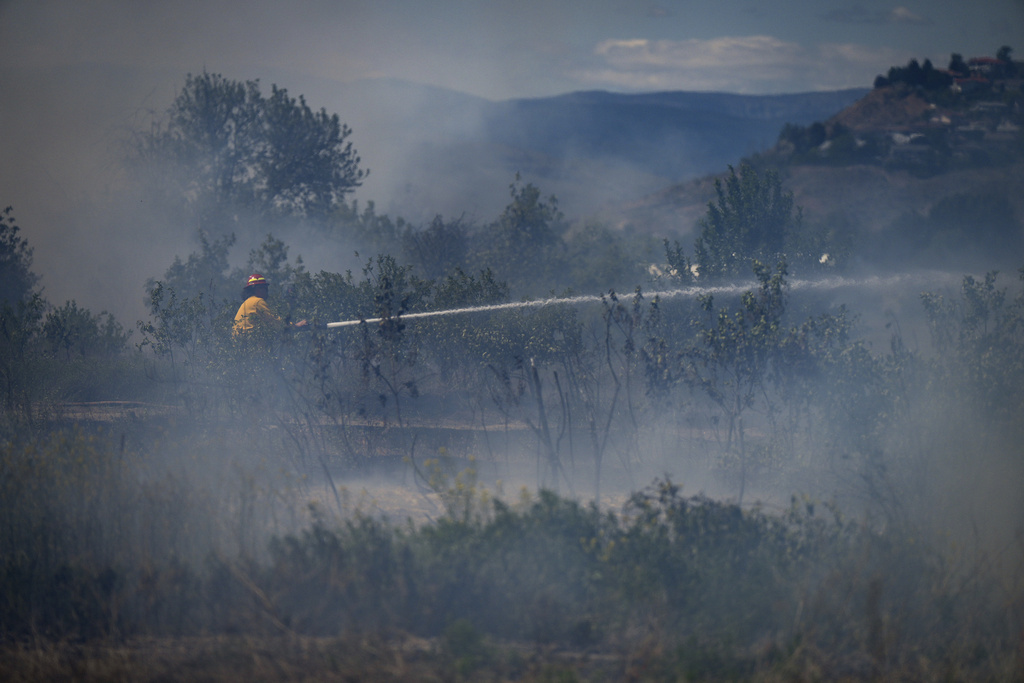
{"x": 902, "y": 15}
{"x": 858, "y": 14}
{"x": 744, "y": 64}
{"x": 684, "y": 54}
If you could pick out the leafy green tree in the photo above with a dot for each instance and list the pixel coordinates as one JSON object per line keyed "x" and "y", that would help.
{"x": 225, "y": 155}
{"x": 20, "y": 323}
{"x": 525, "y": 243}
{"x": 752, "y": 219}
{"x": 179, "y": 329}
{"x": 957, "y": 64}
{"x": 834, "y": 398}
{"x": 207, "y": 274}
{"x": 979, "y": 337}
{"x": 376, "y": 233}
{"x": 681, "y": 270}
{"x": 462, "y": 289}
{"x": 916, "y": 75}
{"x": 438, "y": 250}
{"x": 21, "y": 312}
{"x": 40, "y": 344}
{"x": 203, "y": 272}
{"x": 599, "y": 258}
{"x": 73, "y": 331}
{"x": 388, "y": 354}
{"x": 913, "y": 73}
{"x": 270, "y": 259}
{"x": 305, "y": 166}
{"x": 731, "y": 361}
{"x": 456, "y": 362}
{"x": 804, "y": 139}
{"x": 17, "y": 280}
{"x": 329, "y": 297}
{"x": 933, "y": 79}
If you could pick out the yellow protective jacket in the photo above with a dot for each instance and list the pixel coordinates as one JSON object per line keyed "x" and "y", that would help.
{"x": 253, "y": 311}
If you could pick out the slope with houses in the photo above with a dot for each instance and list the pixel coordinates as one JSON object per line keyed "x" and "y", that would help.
{"x": 922, "y": 119}
{"x": 928, "y": 163}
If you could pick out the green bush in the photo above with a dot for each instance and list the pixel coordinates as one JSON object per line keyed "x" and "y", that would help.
{"x": 102, "y": 541}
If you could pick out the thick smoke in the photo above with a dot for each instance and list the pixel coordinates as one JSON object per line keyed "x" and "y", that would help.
{"x": 419, "y": 417}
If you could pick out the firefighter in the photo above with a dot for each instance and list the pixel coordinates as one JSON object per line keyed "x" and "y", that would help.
{"x": 255, "y": 311}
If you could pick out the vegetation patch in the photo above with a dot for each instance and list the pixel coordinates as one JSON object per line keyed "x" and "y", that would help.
{"x": 727, "y": 479}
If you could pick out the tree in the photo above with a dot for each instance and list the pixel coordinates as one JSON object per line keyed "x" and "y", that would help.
{"x": 957, "y": 64}
{"x": 204, "y": 272}
{"x": 226, "y": 154}
{"x": 438, "y": 250}
{"x": 21, "y": 310}
{"x": 732, "y": 359}
{"x": 270, "y": 259}
{"x": 71, "y": 331}
{"x": 16, "y": 277}
{"x": 751, "y": 220}
{"x": 524, "y": 239}
{"x": 388, "y": 355}
{"x": 306, "y": 165}
{"x": 925, "y": 76}
{"x": 1005, "y": 55}
{"x": 933, "y": 79}
{"x": 20, "y": 324}
{"x": 599, "y": 258}
{"x": 457, "y": 362}
{"x": 979, "y": 338}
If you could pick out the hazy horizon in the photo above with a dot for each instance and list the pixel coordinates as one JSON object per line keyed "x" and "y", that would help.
{"x": 79, "y": 78}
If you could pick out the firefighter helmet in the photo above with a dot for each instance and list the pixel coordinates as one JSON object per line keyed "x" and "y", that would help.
{"x": 255, "y": 279}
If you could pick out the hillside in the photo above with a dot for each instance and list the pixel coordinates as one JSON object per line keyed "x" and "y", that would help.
{"x": 674, "y": 135}
{"x": 868, "y": 195}
{"x": 895, "y": 169}
{"x": 434, "y": 151}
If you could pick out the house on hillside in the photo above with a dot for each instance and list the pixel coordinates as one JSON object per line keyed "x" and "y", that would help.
{"x": 971, "y": 85}
{"x": 988, "y": 67}
{"x": 984, "y": 73}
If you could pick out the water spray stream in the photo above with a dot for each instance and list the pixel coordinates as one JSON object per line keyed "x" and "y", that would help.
{"x": 688, "y": 292}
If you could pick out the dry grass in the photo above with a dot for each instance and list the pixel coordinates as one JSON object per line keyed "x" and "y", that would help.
{"x": 362, "y": 657}
{"x": 349, "y": 658}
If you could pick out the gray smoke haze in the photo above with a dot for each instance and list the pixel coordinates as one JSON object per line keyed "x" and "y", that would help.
{"x": 95, "y": 244}
{"x": 228, "y": 446}
{"x": 77, "y": 78}
{"x": 945, "y": 466}
{"x": 64, "y": 142}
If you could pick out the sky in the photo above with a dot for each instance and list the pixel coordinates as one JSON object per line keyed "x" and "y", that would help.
{"x": 77, "y": 76}
{"x": 503, "y": 48}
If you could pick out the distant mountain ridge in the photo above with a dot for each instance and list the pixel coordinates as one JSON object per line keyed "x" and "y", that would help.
{"x": 910, "y": 173}
{"x": 432, "y": 150}
{"x": 674, "y": 135}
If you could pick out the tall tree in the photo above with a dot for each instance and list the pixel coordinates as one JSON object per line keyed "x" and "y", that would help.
{"x": 21, "y": 311}
{"x": 525, "y": 242}
{"x": 438, "y": 250}
{"x": 957, "y": 64}
{"x": 752, "y": 219}
{"x": 16, "y": 277}
{"x": 732, "y": 359}
{"x": 226, "y": 154}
